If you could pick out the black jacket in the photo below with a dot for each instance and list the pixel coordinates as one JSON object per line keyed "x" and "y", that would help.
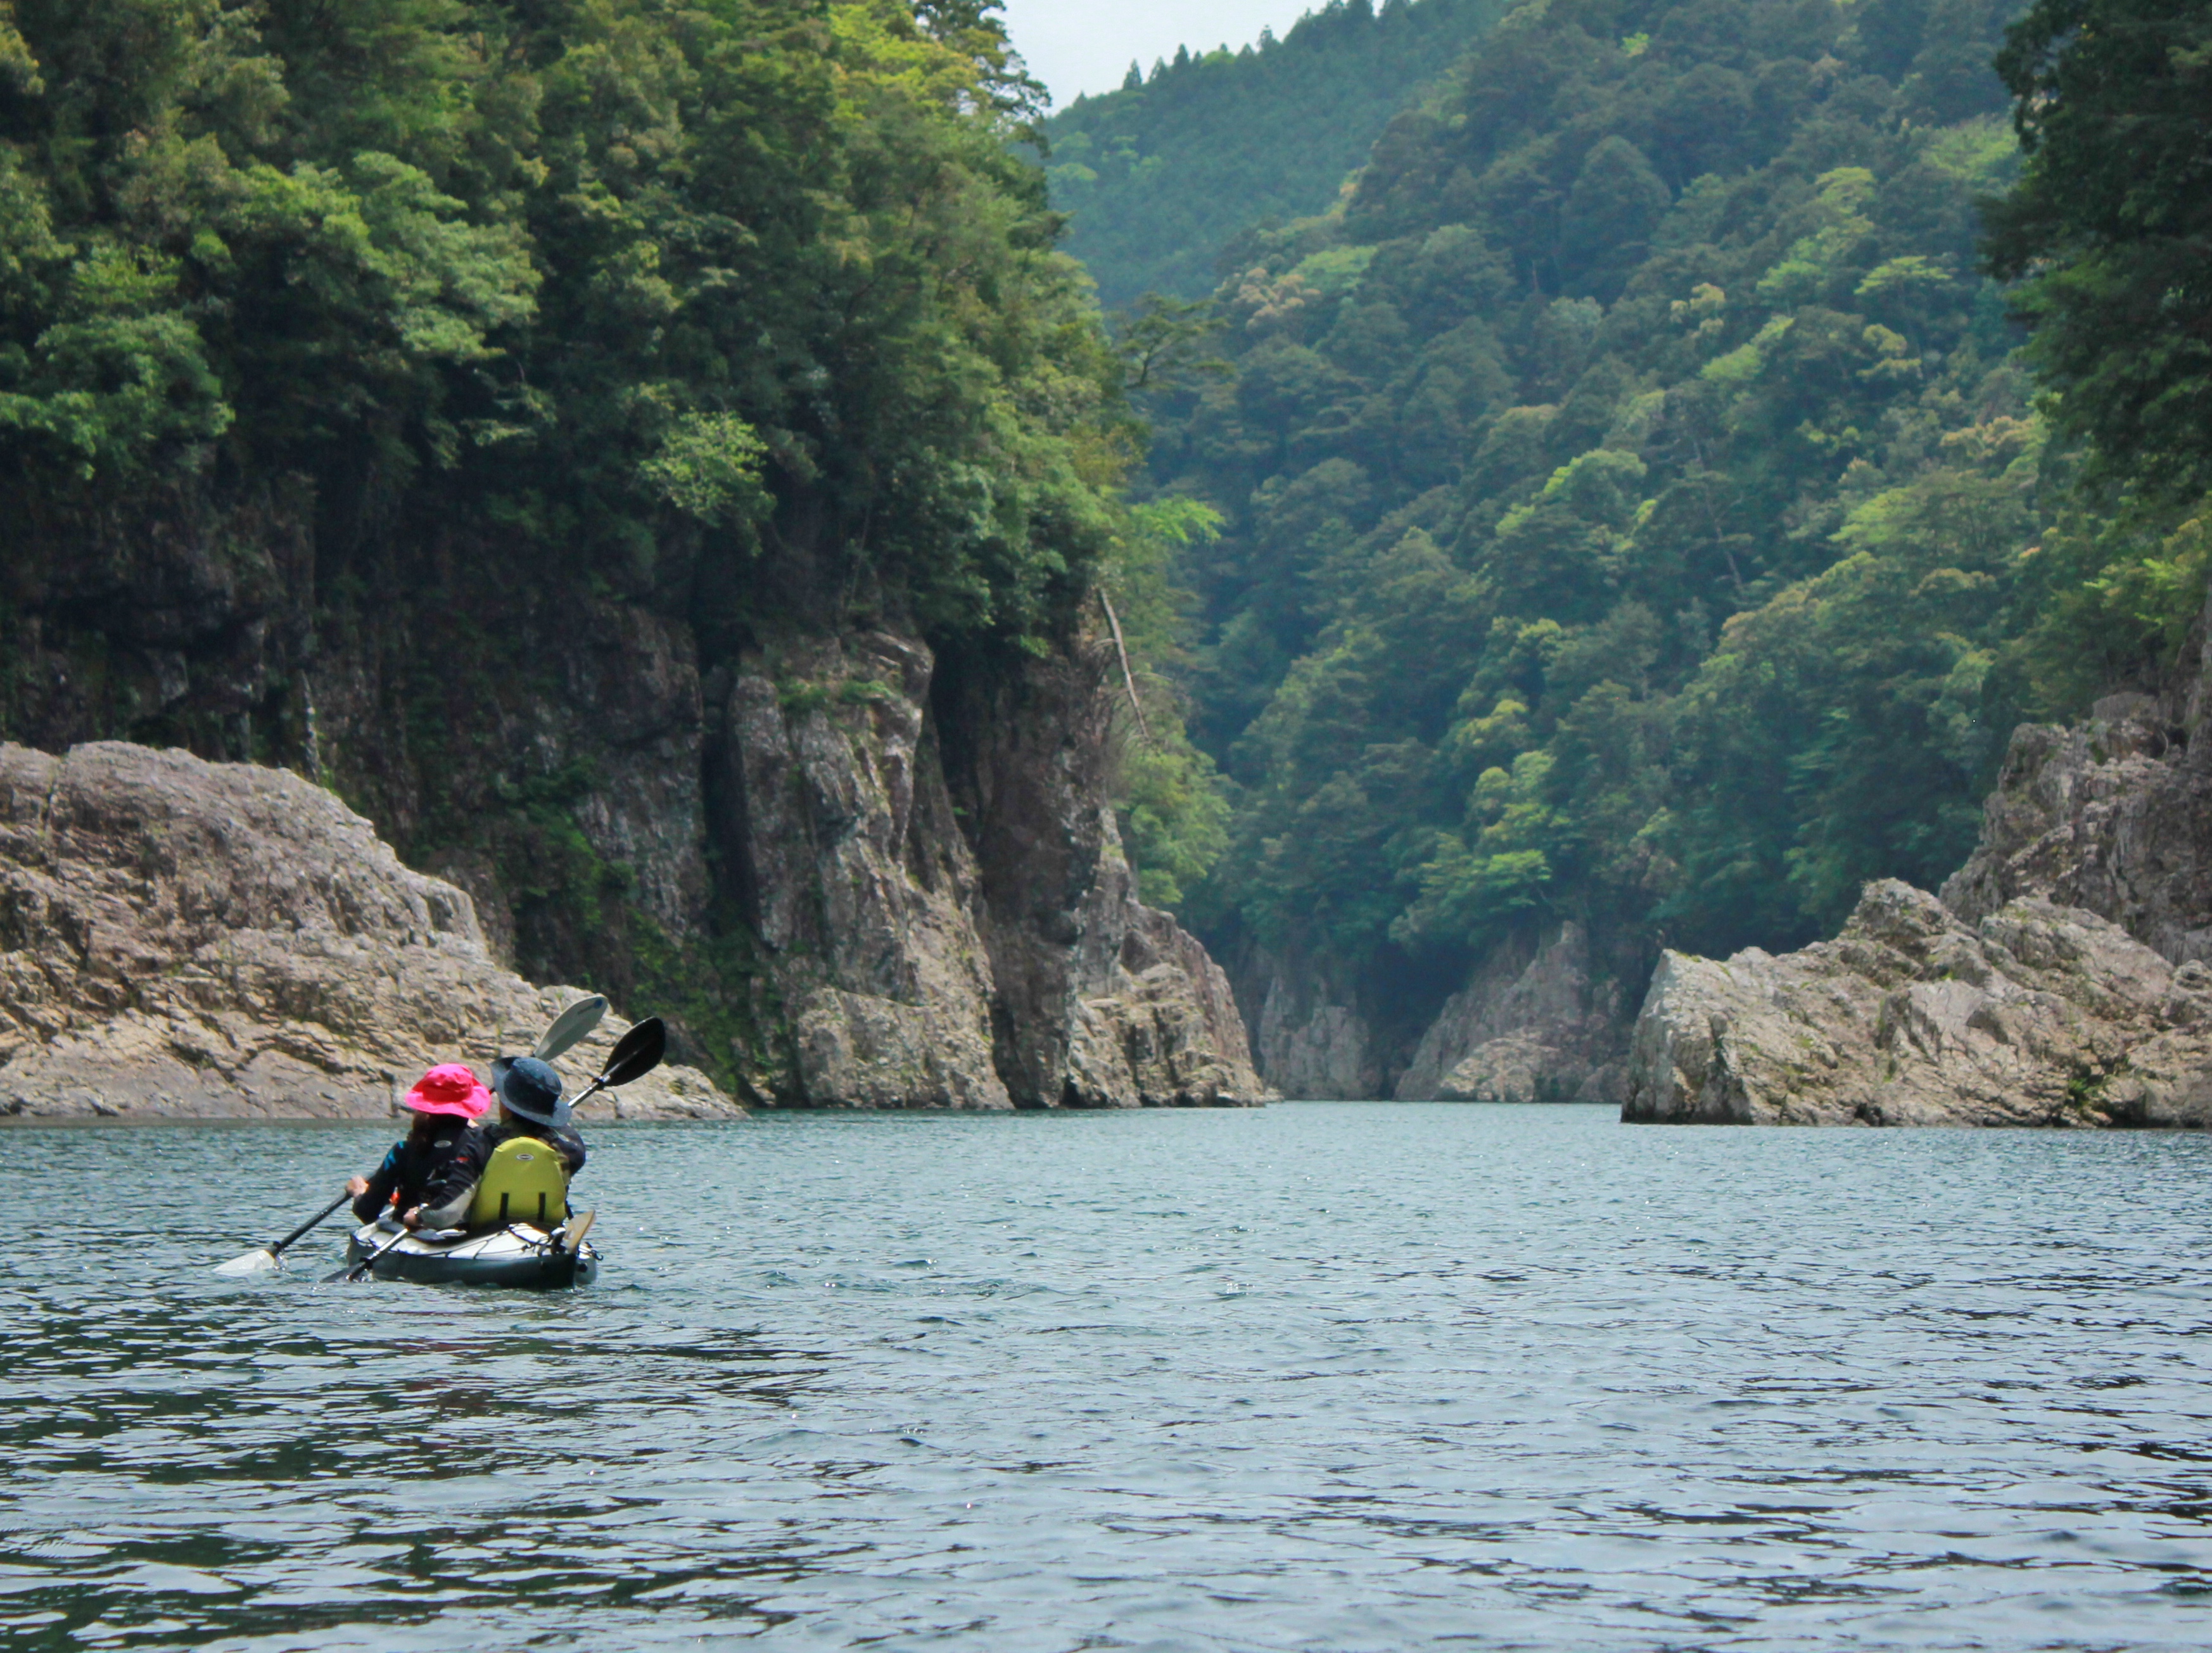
{"x": 445, "y": 1199}
{"x": 415, "y": 1164}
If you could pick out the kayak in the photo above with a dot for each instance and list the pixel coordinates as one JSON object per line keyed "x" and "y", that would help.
{"x": 517, "y": 1255}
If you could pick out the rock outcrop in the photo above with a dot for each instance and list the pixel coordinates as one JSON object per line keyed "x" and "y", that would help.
{"x": 1534, "y": 1023}
{"x": 2036, "y": 1014}
{"x": 2113, "y": 815}
{"x": 185, "y": 938}
{"x": 2064, "y": 976}
{"x": 950, "y": 928}
{"x": 851, "y": 873}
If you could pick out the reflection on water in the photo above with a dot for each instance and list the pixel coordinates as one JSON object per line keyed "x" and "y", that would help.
{"x": 1330, "y": 1378}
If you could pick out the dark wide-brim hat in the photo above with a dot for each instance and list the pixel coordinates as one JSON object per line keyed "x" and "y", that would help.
{"x": 530, "y": 1090}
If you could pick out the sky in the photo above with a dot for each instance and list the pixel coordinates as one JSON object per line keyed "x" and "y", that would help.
{"x": 1076, "y": 46}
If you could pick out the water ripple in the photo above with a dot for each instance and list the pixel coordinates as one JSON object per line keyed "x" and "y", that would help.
{"x": 1322, "y": 1377}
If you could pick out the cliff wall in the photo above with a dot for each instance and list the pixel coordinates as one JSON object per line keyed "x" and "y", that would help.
{"x": 939, "y": 891}
{"x": 1541, "y": 1017}
{"x": 850, "y": 876}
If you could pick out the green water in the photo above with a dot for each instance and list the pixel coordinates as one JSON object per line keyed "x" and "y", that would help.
{"x": 1321, "y": 1377}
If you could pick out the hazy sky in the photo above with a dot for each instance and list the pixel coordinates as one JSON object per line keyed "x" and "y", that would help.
{"x": 1085, "y": 46}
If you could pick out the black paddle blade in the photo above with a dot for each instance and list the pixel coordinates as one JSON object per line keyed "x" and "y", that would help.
{"x": 637, "y": 1053}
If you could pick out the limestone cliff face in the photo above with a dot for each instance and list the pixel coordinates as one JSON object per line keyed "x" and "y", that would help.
{"x": 947, "y": 915}
{"x": 2060, "y": 979}
{"x": 1541, "y": 1017}
{"x": 1312, "y": 1036}
{"x": 2113, "y": 815}
{"x": 2036, "y": 1014}
{"x": 1535, "y": 1023}
{"x": 850, "y": 876}
{"x": 185, "y": 938}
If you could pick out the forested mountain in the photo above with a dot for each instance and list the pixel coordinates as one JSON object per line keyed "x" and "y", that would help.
{"x": 1633, "y": 509}
{"x": 1159, "y": 175}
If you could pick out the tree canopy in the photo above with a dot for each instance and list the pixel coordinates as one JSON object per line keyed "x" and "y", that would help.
{"x": 621, "y": 275}
{"x": 2111, "y": 226}
{"x": 1156, "y": 177}
{"x": 1634, "y": 505}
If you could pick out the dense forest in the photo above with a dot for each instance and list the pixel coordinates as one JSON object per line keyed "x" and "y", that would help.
{"x": 1631, "y": 501}
{"x": 411, "y": 391}
{"x": 1157, "y": 176}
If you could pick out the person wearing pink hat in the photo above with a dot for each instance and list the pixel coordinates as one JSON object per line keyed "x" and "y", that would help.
{"x": 446, "y": 1102}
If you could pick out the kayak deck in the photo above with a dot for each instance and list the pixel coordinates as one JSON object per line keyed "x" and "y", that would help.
{"x": 519, "y": 1255}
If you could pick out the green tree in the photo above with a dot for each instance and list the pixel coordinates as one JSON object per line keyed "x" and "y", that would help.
{"x": 2109, "y": 225}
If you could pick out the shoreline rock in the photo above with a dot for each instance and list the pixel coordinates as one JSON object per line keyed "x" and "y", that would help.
{"x": 180, "y": 939}
{"x": 1535, "y": 1023}
{"x": 941, "y": 896}
{"x": 2037, "y": 1014}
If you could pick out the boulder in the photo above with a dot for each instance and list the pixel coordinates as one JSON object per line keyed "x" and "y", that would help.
{"x": 2037, "y": 1014}
{"x": 184, "y": 938}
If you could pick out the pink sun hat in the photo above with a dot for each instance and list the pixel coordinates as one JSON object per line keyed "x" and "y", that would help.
{"x": 450, "y": 1088}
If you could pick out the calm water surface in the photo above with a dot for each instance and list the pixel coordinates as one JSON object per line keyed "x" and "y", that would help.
{"x": 1324, "y": 1376}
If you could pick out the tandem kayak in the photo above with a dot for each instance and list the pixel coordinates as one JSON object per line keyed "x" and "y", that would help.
{"x": 518, "y": 1255}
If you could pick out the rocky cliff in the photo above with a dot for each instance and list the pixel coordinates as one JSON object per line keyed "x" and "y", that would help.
{"x": 184, "y": 938}
{"x": 1541, "y": 1017}
{"x": 1537, "y": 1022}
{"x": 2035, "y": 1014}
{"x": 946, "y": 915}
{"x": 2059, "y": 980}
{"x": 2113, "y": 815}
{"x": 850, "y": 876}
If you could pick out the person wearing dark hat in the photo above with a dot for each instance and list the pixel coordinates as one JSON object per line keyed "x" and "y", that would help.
{"x": 530, "y": 1104}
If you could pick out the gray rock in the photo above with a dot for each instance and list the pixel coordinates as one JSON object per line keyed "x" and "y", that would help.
{"x": 961, "y": 932}
{"x": 1313, "y": 1043}
{"x": 2114, "y": 816}
{"x": 2037, "y": 1014}
{"x": 1534, "y": 1023}
{"x": 186, "y": 938}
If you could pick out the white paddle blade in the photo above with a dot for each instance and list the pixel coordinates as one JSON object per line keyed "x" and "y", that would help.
{"x": 572, "y": 1024}
{"x": 259, "y": 1261}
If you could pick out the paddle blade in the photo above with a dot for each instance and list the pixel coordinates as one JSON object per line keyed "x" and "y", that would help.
{"x": 637, "y": 1053}
{"x": 571, "y": 1024}
{"x": 259, "y": 1261}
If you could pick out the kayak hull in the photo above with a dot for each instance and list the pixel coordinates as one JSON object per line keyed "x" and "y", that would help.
{"x": 518, "y": 1257}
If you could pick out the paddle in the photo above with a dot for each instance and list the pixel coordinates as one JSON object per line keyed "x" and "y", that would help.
{"x": 636, "y": 1054}
{"x": 260, "y": 1261}
{"x": 570, "y": 1025}
{"x": 359, "y": 1269}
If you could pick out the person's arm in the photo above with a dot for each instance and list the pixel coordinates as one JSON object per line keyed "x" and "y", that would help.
{"x": 570, "y": 1147}
{"x": 447, "y": 1191}
{"x": 376, "y": 1189}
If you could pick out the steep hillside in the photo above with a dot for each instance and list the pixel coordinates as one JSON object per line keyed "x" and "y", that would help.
{"x": 652, "y": 462}
{"x": 1636, "y": 529}
{"x": 1159, "y": 175}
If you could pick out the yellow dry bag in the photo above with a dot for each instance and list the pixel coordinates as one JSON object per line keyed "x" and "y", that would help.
{"x": 524, "y": 1182}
